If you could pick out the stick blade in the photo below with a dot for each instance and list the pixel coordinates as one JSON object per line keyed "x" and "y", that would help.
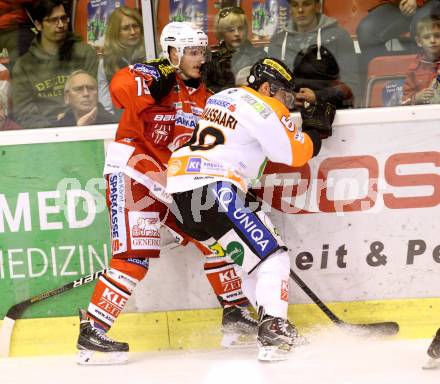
{"x": 387, "y": 328}
{"x": 5, "y": 336}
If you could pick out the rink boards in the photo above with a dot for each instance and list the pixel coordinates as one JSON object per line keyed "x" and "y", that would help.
{"x": 200, "y": 329}
{"x": 359, "y": 221}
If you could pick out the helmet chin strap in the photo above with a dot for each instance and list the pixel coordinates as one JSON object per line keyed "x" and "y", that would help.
{"x": 179, "y": 58}
{"x": 177, "y": 66}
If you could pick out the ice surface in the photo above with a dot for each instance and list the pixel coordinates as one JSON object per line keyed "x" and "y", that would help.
{"x": 332, "y": 357}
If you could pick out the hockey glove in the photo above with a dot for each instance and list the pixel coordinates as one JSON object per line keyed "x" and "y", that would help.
{"x": 319, "y": 117}
{"x": 159, "y": 125}
{"x": 160, "y": 76}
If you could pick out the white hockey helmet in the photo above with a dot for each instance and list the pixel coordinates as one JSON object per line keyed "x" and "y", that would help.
{"x": 181, "y": 34}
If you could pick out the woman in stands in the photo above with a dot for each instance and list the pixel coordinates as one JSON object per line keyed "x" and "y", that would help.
{"x": 123, "y": 45}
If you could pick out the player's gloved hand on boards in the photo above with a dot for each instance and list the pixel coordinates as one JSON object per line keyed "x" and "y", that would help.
{"x": 319, "y": 117}
{"x": 159, "y": 124}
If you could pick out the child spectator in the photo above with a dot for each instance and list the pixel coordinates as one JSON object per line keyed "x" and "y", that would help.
{"x": 81, "y": 95}
{"x": 235, "y": 50}
{"x": 389, "y": 20}
{"x": 123, "y": 45}
{"x": 39, "y": 75}
{"x": 422, "y": 83}
{"x": 310, "y": 26}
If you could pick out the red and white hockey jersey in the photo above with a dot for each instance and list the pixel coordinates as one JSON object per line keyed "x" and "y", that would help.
{"x": 137, "y": 89}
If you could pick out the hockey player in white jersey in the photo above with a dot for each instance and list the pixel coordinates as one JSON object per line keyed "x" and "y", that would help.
{"x": 158, "y": 117}
{"x": 240, "y": 129}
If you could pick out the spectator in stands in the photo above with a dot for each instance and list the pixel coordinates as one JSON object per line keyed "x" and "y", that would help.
{"x": 124, "y": 45}
{"x": 317, "y": 79}
{"x": 422, "y": 82}
{"x": 389, "y": 20}
{"x": 6, "y": 123}
{"x": 16, "y": 32}
{"x": 235, "y": 51}
{"x": 309, "y": 26}
{"x": 5, "y": 83}
{"x": 81, "y": 95}
{"x": 39, "y": 75}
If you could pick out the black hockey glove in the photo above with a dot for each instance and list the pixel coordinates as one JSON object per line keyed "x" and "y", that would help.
{"x": 318, "y": 117}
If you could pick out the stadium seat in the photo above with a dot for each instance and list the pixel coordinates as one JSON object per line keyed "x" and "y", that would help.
{"x": 348, "y": 12}
{"x": 386, "y": 75}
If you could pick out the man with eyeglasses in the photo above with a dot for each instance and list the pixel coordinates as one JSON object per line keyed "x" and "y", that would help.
{"x": 39, "y": 75}
{"x": 240, "y": 129}
{"x": 81, "y": 95}
{"x": 163, "y": 100}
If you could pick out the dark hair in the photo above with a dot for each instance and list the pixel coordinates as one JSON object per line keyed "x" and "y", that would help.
{"x": 309, "y": 64}
{"x": 44, "y": 8}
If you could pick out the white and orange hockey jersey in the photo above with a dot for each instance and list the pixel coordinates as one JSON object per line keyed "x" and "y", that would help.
{"x": 239, "y": 130}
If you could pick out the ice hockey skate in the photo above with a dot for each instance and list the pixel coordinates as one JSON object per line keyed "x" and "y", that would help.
{"x": 434, "y": 353}
{"x": 276, "y": 337}
{"x": 239, "y": 328}
{"x": 96, "y": 348}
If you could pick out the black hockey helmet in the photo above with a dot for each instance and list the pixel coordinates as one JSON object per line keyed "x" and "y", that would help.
{"x": 277, "y": 74}
{"x": 272, "y": 70}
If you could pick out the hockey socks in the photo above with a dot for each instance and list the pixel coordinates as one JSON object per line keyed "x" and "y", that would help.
{"x": 271, "y": 281}
{"x": 113, "y": 289}
{"x": 111, "y": 293}
{"x": 225, "y": 282}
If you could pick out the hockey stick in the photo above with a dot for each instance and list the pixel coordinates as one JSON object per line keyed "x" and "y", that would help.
{"x": 384, "y": 328}
{"x": 17, "y": 310}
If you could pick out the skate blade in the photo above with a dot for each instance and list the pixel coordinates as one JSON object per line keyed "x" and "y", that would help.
{"x": 273, "y": 353}
{"x": 432, "y": 364}
{"x": 86, "y": 357}
{"x": 238, "y": 340}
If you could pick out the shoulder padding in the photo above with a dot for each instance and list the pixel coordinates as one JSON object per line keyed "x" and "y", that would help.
{"x": 162, "y": 77}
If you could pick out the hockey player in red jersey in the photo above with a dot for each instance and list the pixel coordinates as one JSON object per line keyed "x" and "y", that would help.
{"x": 240, "y": 129}
{"x": 162, "y": 101}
